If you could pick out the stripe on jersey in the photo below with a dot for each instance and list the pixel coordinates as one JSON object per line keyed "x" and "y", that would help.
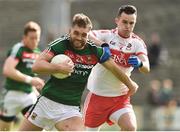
{"x": 66, "y": 37}
{"x": 140, "y": 53}
{"x": 94, "y": 33}
{"x": 48, "y": 51}
{"x": 15, "y": 49}
{"x": 83, "y": 59}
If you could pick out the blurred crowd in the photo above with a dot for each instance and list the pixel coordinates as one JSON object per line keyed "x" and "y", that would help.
{"x": 162, "y": 105}
{"x": 157, "y": 52}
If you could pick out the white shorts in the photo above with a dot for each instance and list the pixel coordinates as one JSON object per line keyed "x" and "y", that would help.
{"x": 15, "y": 101}
{"x": 46, "y": 113}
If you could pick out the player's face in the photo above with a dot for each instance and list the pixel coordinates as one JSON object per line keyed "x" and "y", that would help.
{"x": 125, "y": 24}
{"x": 78, "y": 37}
{"x": 31, "y": 40}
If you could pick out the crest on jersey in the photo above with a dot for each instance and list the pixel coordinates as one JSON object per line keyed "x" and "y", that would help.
{"x": 113, "y": 43}
{"x": 89, "y": 59}
{"x": 33, "y": 116}
{"x": 129, "y": 46}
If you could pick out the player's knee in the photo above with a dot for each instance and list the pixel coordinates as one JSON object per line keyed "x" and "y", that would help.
{"x": 26, "y": 109}
{"x": 7, "y": 119}
{"x": 92, "y": 129}
{"x": 72, "y": 128}
{"x": 129, "y": 127}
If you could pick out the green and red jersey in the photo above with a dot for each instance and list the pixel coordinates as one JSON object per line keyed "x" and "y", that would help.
{"x": 26, "y": 57}
{"x": 69, "y": 90}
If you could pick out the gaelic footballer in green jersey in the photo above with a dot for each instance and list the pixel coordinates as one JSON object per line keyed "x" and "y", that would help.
{"x": 26, "y": 58}
{"x": 19, "y": 76}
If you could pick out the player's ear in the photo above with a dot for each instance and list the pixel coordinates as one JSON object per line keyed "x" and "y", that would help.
{"x": 69, "y": 31}
{"x": 23, "y": 37}
{"x": 116, "y": 20}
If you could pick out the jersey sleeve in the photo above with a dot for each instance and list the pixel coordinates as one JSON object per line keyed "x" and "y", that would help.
{"x": 103, "y": 54}
{"x": 15, "y": 52}
{"x": 55, "y": 47}
{"x": 141, "y": 48}
{"x": 100, "y": 34}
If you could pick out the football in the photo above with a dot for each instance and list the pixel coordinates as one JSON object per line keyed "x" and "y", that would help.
{"x": 61, "y": 58}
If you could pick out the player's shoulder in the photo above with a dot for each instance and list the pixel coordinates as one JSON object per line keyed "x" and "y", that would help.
{"x": 101, "y": 31}
{"x": 93, "y": 47}
{"x": 17, "y": 46}
{"x": 137, "y": 38}
{"x": 37, "y": 50}
{"x": 91, "y": 43}
{"x": 59, "y": 41}
{"x": 110, "y": 32}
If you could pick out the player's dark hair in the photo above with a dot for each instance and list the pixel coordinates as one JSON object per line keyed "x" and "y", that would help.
{"x": 127, "y": 9}
{"x": 81, "y": 20}
{"x": 31, "y": 27}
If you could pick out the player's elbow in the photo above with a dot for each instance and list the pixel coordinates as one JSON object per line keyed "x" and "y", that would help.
{"x": 145, "y": 70}
{"x": 6, "y": 71}
{"x": 34, "y": 68}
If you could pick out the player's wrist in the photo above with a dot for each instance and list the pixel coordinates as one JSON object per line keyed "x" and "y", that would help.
{"x": 104, "y": 45}
{"x": 28, "y": 79}
{"x": 140, "y": 64}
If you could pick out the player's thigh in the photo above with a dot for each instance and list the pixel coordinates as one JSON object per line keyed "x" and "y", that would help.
{"x": 124, "y": 117}
{"x": 128, "y": 121}
{"x": 93, "y": 128}
{"x": 28, "y": 100}
{"x": 5, "y": 126}
{"x": 28, "y": 126}
{"x": 37, "y": 116}
{"x": 11, "y": 105}
{"x": 46, "y": 113}
{"x": 96, "y": 110}
{"x": 15, "y": 101}
{"x": 71, "y": 124}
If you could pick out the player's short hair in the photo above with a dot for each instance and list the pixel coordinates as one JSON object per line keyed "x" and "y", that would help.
{"x": 81, "y": 20}
{"x": 128, "y": 9}
{"x": 31, "y": 27}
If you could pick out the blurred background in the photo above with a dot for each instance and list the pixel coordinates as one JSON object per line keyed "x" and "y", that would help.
{"x": 158, "y": 99}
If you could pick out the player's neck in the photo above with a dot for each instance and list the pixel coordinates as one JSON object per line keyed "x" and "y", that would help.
{"x": 123, "y": 35}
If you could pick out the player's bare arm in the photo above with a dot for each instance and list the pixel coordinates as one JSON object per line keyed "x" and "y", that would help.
{"x": 145, "y": 64}
{"x": 10, "y": 71}
{"x": 115, "y": 69}
{"x": 97, "y": 41}
{"x": 43, "y": 65}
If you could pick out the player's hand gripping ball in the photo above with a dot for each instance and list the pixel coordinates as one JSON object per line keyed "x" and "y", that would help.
{"x": 61, "y": 58}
